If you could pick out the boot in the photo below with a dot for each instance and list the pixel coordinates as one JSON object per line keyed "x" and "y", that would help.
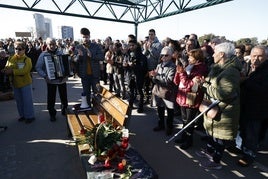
{"x": 188, "y": 142}
{"x": 161, "y": 115}
{"x": 181, "y": 139}
{"x": 140, "y": 110}
{"x": 169, "y": 122}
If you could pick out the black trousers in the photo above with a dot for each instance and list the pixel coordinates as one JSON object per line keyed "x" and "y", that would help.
{"x": 161, "y": 116}
{"x": 216, "y": 148}
{"x": 51, "y": 97}
{"x": 187, "y": 115}
{"x": 136, "y": 86}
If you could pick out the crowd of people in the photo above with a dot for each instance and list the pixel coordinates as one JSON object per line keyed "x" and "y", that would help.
{"x": 174, "y": 75}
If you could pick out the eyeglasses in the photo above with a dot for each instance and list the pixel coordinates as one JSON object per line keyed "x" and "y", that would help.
{"x": 19, "y": 49}
{"x": 151, "y": 34}
{"x": 165, "y": 55}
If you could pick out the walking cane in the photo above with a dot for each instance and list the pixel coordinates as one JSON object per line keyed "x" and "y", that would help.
{"x": 214, "y": 103}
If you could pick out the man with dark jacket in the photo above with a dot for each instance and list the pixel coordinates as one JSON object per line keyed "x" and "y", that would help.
{"x": 254, "y": 99}
{"x": 88, "y": 57}
{"x": 138, "y": 67}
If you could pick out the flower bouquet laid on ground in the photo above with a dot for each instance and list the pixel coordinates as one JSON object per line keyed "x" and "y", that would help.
{"x": 108, "y": 145}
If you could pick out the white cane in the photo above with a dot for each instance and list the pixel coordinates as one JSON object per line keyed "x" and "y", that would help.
{"x": 214, "y": 103}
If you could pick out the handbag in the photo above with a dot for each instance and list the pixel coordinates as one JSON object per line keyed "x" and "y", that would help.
{"x": 190, "y": 98}
{"x": 211, "y": 113}
{"x": 161, "y": 92}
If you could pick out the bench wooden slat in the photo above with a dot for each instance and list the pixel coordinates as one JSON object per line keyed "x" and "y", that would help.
{"x": 112, "y": 110}
{"x": 85, "y": 121}
{"x": 74, "y": 125}
{"x": 94, "y": 118}
{"x": 117, "y": 102}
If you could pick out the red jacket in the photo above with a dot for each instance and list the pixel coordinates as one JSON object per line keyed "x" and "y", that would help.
{"x": 185, "y": 84}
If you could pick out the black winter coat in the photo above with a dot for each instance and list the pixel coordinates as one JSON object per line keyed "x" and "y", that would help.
{"x": 254, "y": 94}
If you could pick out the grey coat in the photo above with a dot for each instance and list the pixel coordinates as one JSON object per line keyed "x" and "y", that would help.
{"x": 153, "y": 54}
{"x": 165, "y": 78}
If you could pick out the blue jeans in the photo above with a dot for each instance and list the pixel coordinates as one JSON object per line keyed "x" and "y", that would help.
{"x": 87, "y": 83}
{"x": 24, "y": 101}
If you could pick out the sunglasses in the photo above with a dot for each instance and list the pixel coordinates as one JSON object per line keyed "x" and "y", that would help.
{"x": 165, "y": 55}
{"x": 19, "y": 49}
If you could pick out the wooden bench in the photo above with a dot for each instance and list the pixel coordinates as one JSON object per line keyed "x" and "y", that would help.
{"x": 117, "y": 112}
{"x": 114, "y": 110}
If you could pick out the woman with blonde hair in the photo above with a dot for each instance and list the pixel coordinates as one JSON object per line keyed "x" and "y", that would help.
{"x": 18, "y": 68}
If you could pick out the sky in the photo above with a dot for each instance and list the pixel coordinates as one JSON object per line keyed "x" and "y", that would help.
{"x": 235, "y": 20}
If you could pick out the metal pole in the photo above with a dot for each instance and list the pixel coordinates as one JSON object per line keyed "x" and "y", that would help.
{"x": 214, "y": 103}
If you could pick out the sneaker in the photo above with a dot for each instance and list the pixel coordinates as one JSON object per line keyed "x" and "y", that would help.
{"x": 204, "y": 154}
{"x": 211, "y": 165}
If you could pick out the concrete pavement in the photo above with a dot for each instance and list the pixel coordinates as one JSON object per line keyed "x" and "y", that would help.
{"x": 42, "y": 149}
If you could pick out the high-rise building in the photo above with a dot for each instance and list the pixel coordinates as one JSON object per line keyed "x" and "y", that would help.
{"x": 43, "y": 26}
{"x": 48, "y": 27}
{"x": 66, "y": 32}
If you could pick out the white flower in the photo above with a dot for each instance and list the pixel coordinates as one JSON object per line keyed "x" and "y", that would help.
{"x": 92, "y": 159}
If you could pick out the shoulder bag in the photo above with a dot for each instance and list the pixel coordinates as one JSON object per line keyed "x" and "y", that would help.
{"x": 160, "y": 91}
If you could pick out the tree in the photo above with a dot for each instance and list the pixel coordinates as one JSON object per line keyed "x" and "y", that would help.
{"x": 243, "y": 41}
{"x": 206, "y": 36}
{"x": 210, "y": 37}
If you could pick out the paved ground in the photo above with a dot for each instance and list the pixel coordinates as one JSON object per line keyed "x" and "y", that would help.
{"x": 42, "y": 149}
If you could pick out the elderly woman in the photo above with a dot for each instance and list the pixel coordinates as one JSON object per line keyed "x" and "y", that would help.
{"x": 189, "y": 94}
{"x": 223, "y": 84}
{"x": 162, "y": 78}
{"x": 18, "y": 67}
